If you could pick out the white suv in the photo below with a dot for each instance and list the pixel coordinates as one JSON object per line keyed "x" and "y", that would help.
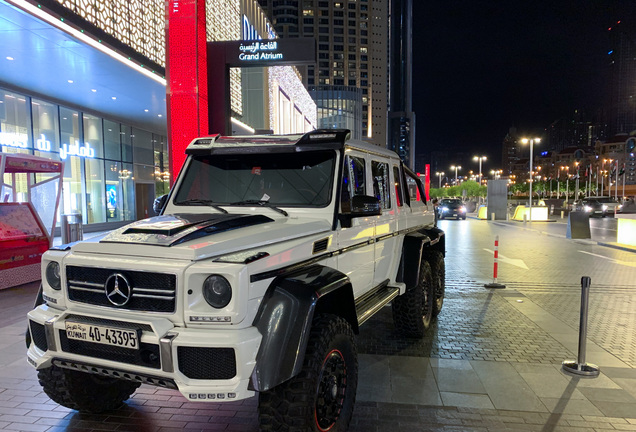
{"x": 268, "y": 254}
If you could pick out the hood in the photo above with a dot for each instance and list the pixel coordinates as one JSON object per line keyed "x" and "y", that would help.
{"x": 170, "y": 230}
{"x": 200, "y": 236}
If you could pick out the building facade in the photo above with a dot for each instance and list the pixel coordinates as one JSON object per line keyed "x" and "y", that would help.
{"x": 352, "y": 51}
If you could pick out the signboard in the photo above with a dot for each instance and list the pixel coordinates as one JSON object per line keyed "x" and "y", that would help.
{"x": 270, "y": 52}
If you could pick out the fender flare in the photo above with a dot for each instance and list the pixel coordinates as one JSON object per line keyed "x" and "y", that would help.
{"x": 414, "y": 245}
{"x": 285, "y": 316}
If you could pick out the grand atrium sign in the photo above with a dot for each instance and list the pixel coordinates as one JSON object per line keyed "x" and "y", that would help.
{"x": 270, "y": 52}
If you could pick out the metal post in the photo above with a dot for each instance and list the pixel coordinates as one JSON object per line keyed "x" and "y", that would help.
{"x": 579, "y": 367}
{"x": 531, "y": 179}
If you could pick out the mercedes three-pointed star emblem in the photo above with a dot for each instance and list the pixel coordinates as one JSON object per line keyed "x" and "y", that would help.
{"x": 118, "y": 289}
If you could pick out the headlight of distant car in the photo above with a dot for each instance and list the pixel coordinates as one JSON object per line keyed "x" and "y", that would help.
{"x": 53, "y": 275}
{"x": 619, "y": 207}
{"x": 444, "y": 209}
{"x": 587, "y": 209}
{"x": 217, "y": 291}
{"x": 604, "y": 207}
{"x": 462, "y": 209}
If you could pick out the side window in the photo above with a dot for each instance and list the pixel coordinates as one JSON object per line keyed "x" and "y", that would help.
{"x": 353, "y": 181}
{"x": 414, "y": 187}
{"x": 381, "y": 186}
{"x": 398, "y": 186}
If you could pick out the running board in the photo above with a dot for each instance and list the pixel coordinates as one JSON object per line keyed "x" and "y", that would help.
{"x": 371, "y": 302}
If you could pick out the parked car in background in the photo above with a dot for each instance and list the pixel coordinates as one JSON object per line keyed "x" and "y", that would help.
{"x": 451, "y": 207}
{"x": 598, "y": 206}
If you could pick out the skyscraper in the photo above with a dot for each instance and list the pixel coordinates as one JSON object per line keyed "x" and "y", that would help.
{"x": 352, "y": 40}
{"x": 622, "y": 94}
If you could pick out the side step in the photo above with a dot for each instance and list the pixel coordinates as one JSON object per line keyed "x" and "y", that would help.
{"x": 371, "y": 302}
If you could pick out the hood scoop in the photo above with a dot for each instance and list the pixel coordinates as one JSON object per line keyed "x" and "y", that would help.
{"x": 170, "y": 230}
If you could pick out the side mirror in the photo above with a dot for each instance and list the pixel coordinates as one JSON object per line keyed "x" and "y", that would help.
{"x": 365, "y": 205}
{"x": 159, "y": 204}
{"x": 361, "y": 206}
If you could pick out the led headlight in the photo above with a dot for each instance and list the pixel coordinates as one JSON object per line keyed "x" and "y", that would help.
{"x": 587, "y": 209}
{"x": 604, "y": 207}
{"x": 53, "y": 275}
{"x": 444, "y": 209}
{"x": 462, "y": 209}
{"x": 217, "y": 291}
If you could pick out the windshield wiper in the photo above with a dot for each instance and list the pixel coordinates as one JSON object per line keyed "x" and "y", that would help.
{"x": 197, "y": 201}
{"x": 262, "y": 203}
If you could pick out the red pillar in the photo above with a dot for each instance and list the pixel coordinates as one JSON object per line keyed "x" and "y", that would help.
{"x": 186, "y": 77}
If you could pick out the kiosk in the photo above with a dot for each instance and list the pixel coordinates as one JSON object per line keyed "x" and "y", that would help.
{"x": 30, "y": 189}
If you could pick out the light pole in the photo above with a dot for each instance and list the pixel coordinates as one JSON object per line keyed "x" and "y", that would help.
{"x": 440, "y": 174}
{"x": 531, "y": 141}
{"x": 479, "y": 158}
{"x": 456, "y": 167}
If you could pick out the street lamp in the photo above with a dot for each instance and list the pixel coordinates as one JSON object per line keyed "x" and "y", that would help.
{"x": 456, "y": 167}
{"x": 531, "y": 141}
{"x": 479, "y": 158}
{"x": 440, "y": 174}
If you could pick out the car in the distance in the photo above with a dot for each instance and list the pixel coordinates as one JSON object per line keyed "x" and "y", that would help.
{"x": 598, "y": 206}
{"x": 451, "y": 207}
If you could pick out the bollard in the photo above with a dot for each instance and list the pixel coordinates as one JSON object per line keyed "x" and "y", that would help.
{"x": 562, "y": 214}
{"x": 492, "y": 216}
{"x": 579, "y": 367}
{"x": 494, "y": 283}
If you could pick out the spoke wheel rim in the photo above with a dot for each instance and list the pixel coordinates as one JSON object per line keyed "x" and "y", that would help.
{"x": 330, "y": 395}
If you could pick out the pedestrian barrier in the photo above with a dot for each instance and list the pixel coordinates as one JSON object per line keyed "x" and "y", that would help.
{"x": 578, "y": 226}
{"x": 494, "y": 283}
{"x": 579, "y": 367}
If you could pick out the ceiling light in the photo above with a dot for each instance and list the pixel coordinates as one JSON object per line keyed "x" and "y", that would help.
{"x": 159, "y": 115}
{"x": 9, "y": 58}
{"x": 114, "y": 98}
{"x": 70, "y": 81}
{"x": 145, "y": 110}
{"x": 94, "y": 90}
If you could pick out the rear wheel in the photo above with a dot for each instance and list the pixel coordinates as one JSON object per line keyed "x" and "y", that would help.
{"x": 413, "y": 310}
{"x": 321, "y": 397}
{"x": 85, "y": 392}
{"x": 438, "y": 278}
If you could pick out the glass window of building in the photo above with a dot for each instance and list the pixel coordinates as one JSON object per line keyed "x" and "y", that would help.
{"x": 112, "y": 140}
{"x": 96, "y": 203}
{"x": 45, "y": 127}
{"x": 93, "y": 136}
{"x": 126, "y": 143}
{"x": 142, "y": 147}
{"x": 73, "y": 187}
{"x": 15, "y": 123}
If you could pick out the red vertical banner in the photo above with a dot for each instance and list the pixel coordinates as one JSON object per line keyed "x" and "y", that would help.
{"x": 427, "y": 181}
{"x": 186, "y": 77}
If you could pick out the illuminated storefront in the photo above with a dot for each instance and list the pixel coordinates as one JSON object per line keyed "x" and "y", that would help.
{"x": 104, "y": 160}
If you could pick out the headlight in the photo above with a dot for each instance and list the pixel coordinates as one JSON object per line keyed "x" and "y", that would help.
{"x": 604, "y": 207}
{"x": 53, "y": 275}
{"x": 444, "y": 209}
{"x": 462, "y": 209}
{"x": 587, "y": 209}
{"x": 217, "y": 291}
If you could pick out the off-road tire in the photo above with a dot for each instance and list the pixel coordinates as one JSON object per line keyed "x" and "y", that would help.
{"x": 302, "y": 403}
{"x": 85, "y": 392}
{"x": 438, "y": 279}
{"x": 413, "y": 310}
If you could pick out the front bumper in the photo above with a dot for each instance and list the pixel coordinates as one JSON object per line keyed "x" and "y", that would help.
{"x": 203, "y": 364}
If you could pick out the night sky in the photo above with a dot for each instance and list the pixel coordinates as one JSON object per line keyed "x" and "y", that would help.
{"x": 481, "y": 67}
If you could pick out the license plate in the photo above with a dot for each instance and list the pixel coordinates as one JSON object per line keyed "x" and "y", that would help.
{"x": 102, "y": 335}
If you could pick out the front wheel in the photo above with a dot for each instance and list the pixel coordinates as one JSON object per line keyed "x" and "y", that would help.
{"x": 321, "y": 397}
{"x": 85, "y": 392}
{"x": 438, "y": 278}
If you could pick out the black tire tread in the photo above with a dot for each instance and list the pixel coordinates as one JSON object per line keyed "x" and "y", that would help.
{"x": 438, "y": 280}
{"x": 288, "y": 407}
{"x": 85, "y": 392}
{"x": 408, "y": 308}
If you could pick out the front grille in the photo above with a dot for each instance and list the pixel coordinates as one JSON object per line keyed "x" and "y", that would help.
{"x": 38, "y": 335}
{"x": 152, "y": 292}
{"x": 207, "y": 363}
{"x": 147, "y": 355}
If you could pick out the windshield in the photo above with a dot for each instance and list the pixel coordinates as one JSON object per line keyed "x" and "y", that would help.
{"x": 302, "y": 179}
{"x": 450, "y": 201}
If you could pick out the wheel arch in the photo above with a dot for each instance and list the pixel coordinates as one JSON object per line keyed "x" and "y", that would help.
{"x": 414, "y": 244}
{"x": 285, "y": 317}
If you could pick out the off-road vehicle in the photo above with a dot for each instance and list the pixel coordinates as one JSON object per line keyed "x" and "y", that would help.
{"x": 268, "y": 254}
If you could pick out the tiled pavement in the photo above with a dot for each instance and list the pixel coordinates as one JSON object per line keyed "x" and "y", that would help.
{"x": 490, "y": 363}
